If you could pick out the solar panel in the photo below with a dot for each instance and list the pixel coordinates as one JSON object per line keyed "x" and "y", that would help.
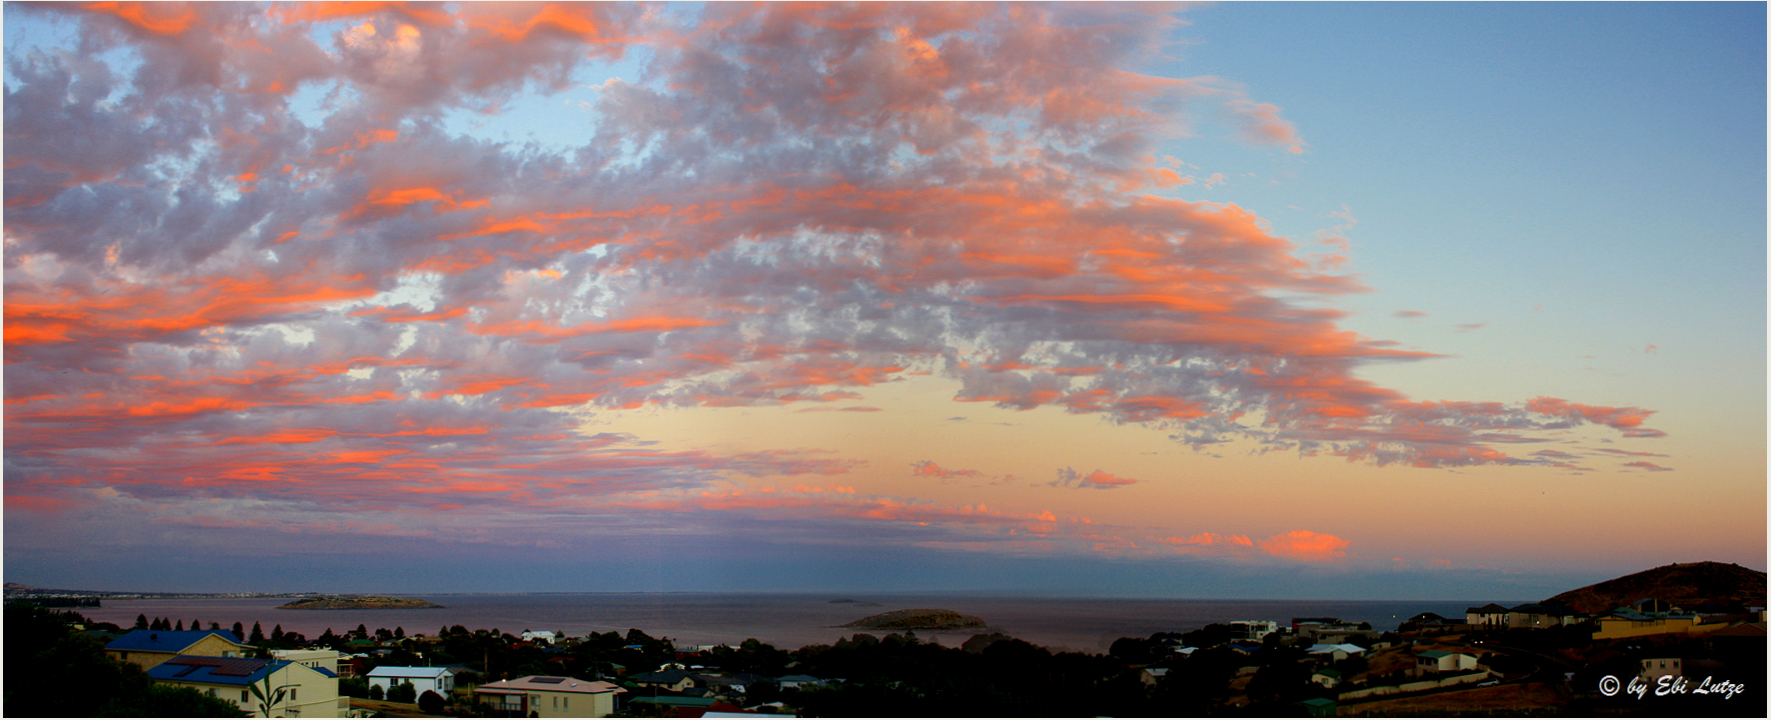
{"x": 226, "y": 667}
{"x": 547, "y": 680}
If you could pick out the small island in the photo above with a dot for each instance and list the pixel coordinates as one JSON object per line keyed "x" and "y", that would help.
{"x": 358, "y": 602}
{"x": 918, "y": 619}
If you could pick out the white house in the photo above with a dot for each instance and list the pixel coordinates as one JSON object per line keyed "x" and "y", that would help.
{"x": 441, "y": 680}
{"x": 546, "y": 636}
{"x": 1336, "y": 652}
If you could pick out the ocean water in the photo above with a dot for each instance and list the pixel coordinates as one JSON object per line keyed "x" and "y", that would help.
{"x": 787, "y": 621}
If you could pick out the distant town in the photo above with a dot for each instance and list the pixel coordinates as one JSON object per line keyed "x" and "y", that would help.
{"x": 1696, "y": 650}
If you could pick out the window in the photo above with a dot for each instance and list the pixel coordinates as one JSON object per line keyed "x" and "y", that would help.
{"x": 566, "y": 702}
{"x": 292, "y": 692}
{"x": 244, "y": 697}
{"x": 211, "y": 692}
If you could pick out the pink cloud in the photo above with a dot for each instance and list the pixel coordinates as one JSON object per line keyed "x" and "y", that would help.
{"x": 1304, "y": 545}
{"x": 1645, "y": 465}
{"x": 928, "y": 468}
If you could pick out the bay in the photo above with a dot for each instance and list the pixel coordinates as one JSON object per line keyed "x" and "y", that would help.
{"x": 785, "y": 620}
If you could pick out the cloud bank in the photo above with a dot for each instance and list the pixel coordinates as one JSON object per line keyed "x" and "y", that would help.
{"x": 252, "y": 273}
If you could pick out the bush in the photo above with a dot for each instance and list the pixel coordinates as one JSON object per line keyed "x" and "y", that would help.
{"x": 430, "y": 702}
{"x": 375, "y": 692}
{"x": 402, "y": 693}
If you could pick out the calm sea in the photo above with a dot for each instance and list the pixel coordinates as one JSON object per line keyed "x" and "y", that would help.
{"x": 785, "y": 620}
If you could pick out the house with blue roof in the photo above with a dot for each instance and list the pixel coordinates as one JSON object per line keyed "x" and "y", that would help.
{"x": 298, "y": 690}
{"x": 147, "y": 648}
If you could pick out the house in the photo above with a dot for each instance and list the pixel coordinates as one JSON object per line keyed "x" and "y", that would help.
{"x": 1534, "y": 615}
{"x": 1622, "y": 623}
{"x": 1317, "y": 707}
{"x": 675, "y": 680}
{"x": 1330, "y": 630}
{"x": 1490, "y": 616}
{"x": 1336, "y": 652}
{"x": 1432, "y": 662}
{"x": 147, "y": 648}
{"x": 540, "y": 636}
{"x": 1152, "y": 675}
{"x": 436, "y": 679}
{"x": 317, "y": 659}
{"x": 1652, "y": 669}
{"x": 308, "y": 691}
{"x": 1326, "y": 677}
{"x": 791, "y": 682}
{"x": 549, "y": 697}
{"x": 1432, "y": 622}
{"x": 1252, "y": 630}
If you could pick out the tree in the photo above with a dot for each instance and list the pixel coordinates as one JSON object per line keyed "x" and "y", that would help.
{"x": 375, "y": 692}
{"x": 430, "y": 702}
{"x": 277, "y": 633}
{"x": 257, "y": 634}
{"x": 266, "y": 697}
{"x": 180, "y": 626}
{"x": 399, "y": 633}
{"x": 239, "y": 632}
{"x": 196, "y": 624}
{"x": 362, "y": 631}
{"x": 141, "y": 622}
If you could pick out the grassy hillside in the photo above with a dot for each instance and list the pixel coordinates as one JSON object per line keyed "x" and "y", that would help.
{"x": 1687, "y": 585}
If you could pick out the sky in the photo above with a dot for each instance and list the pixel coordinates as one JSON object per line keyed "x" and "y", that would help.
{"x": 1263, "y": 300}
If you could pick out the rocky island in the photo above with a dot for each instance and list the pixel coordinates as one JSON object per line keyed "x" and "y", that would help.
{"x": 358, "y": 602}
{"x": 918, "y": 619}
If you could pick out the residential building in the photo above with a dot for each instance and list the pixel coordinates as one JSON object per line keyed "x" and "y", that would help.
{"x": 1655, "y": 668}
{"x": 791, "y": 682}
{"x": 1152, "y": 675}
{"x": 317, "y": 659}
{"x": 1621, "y": 623}
{"x": 550, "y": 697}
{"x": 1336, "y": 652}
{"x": 1492, "y": 615}
{"x": 437, "y": 679}
{"x": 147, "y": 648}
{"x": 1252, "y": 630}
{"x": 674, "y": 680}
{"x": 1432, "y": 662}
{"x": 541, "y": 636}
{"x": 306, "y": 691}
{"x": 1326, "y": 677}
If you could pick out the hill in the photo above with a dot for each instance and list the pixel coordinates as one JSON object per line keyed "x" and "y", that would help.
{"x": 1687, "y": 585}
{"x": 920, "y": 619}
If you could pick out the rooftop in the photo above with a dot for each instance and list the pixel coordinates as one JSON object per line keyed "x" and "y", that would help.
{"x": 166, "y": 641}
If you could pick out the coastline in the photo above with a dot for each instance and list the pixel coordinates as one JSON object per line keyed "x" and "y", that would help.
{"x": 785, "y": 620}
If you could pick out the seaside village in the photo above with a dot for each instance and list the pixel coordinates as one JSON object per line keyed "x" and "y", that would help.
{"x": 1494, "y": 659}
